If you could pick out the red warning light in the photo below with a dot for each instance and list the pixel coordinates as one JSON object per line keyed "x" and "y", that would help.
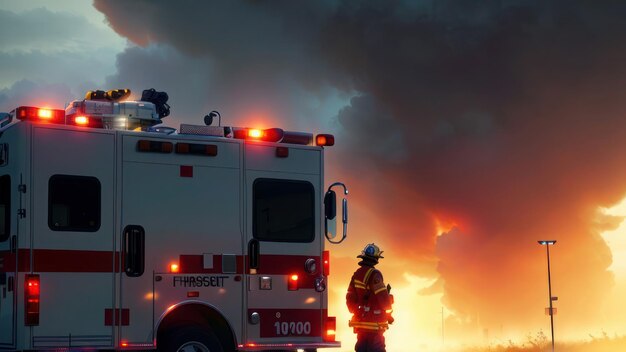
{"x": 326, "y": 262}
{"x": 273, "y": 134}
{"x": 293, "y": 283}
{"x": 40, "y": 114}
{"x": 33, "y": 287}
{"x": 81, "y": 120}
{"x": 254, "y": 133}
{"x": 45, "y": 114}
{"x": 331, "y": 325}
{"x": 268, "y": 135}
{"x": 32, "y": 292}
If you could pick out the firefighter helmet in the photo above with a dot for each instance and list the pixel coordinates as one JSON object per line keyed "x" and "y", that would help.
{"x": 371, "y": 251}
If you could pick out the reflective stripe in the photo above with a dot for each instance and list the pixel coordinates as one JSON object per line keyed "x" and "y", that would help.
{"x": 362, "y": 325}
{"x": 368, "y": 325}
{"x": 363, "y": 284}
{"x": 367, "y": 275}
{"x": 380, "y": 290}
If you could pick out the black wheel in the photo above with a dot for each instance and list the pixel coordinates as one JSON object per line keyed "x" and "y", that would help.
{"x": 190, "y": 339}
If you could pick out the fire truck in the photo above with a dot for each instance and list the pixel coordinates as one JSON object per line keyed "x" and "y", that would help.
{"x": 117, "y": 233}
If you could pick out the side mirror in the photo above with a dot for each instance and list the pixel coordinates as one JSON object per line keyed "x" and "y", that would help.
{"x": 330, "y": 214}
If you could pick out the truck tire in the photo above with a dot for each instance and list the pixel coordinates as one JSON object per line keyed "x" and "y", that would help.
{"x": 190, "y": 339}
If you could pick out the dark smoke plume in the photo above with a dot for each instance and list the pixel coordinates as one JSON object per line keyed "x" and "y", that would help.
{"x": 496, "y": 123}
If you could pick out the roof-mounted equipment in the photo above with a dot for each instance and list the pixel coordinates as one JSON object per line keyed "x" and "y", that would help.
{"x": 102, "y": 109}
{"x": 159, "y": 99}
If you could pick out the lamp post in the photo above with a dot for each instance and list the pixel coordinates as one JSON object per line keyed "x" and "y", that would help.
{"x": 443, "y": 341}
{"x": 550, "y": 298}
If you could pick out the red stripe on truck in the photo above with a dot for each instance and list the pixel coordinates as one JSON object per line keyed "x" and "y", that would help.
{"x": 54, "y": 260}
{"x": 122, "y": 316}
{"x": 278, "y": 264}
{"x": 86, "y": 261}
{"x": 60, "y": 261}
{"x": 8, "y": 264}
{"x": 288, "y": 265}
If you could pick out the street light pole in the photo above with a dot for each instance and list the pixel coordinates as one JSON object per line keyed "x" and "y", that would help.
{"x": 550, "y": 298}
{"x": 443, "y": 341}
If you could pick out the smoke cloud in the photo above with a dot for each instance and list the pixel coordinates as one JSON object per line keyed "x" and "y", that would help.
{"x": 468, "y": 131}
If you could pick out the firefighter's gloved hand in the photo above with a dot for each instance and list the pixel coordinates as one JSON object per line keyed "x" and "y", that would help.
{"x": 390, "y": 320}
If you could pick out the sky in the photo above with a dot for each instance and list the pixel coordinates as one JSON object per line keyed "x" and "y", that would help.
{"x": 465, "y": 132}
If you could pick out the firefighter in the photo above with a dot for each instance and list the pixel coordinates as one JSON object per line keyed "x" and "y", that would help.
{"x": 369, "y": 301}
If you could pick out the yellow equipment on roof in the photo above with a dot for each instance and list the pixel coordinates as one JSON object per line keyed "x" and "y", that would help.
{"x": 110, "y": 95}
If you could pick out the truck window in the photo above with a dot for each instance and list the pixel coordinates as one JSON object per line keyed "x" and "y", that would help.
{"x": 284, "y": 211}
{"x": 73, "y": 203}
{"x": 5, "y": 207}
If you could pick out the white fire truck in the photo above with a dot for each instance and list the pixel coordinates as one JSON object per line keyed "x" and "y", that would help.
{"x": 119, "y": 234}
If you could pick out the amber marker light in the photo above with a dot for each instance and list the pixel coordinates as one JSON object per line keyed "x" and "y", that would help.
{"x": 174, "y": 268}
{"x": 324, "y": 140}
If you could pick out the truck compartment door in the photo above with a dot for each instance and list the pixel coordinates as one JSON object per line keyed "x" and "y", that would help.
{"x": 73, "y": 248}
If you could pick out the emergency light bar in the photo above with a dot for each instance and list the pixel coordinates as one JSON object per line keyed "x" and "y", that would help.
{"x": 133, "y": 115}
{"x": 275, "y": 135}
{"x": 40, "y": 114}
{"x": 267, "y": 135}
